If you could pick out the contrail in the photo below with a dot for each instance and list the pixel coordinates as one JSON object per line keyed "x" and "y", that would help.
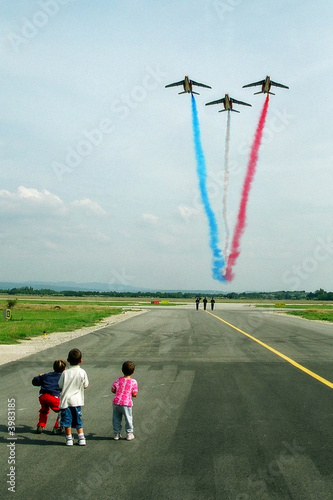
{"x": 225, "y": 187}
{"x": 218, "y": 260}
{"x": 241, "y": 219}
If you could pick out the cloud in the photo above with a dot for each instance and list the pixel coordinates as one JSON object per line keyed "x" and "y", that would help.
{"x": 29, "y": 202}
{"x": 89, "y": 207}
{"x": 152, "y": 219}
{"x": 52, "y": 246}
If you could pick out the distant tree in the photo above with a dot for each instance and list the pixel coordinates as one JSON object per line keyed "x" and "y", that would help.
{"x": 11, "y": 304}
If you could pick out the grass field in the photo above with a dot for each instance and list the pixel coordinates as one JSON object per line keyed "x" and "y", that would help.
{"x": 314, "y": 314}
{"x": 319, "y": 312}
{"x": 298, "y": 305}
{"x": 30, "y": 320}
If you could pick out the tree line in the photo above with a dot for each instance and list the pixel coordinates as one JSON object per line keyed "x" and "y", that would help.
{"x": 320, "y": 295}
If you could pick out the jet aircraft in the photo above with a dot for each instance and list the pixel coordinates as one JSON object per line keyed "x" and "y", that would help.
{"x": 266, "y": 86}
{"x": 227, "y": 103}
{"x": 187, "y": 84}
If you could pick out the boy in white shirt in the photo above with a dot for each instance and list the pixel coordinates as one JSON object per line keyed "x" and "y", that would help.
{"x": 73, "y": 381}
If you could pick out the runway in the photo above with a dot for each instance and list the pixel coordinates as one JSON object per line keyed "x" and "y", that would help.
{"x": 233, "y": 404}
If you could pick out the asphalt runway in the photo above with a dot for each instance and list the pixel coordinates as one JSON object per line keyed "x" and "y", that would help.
{"x": 218, "y": 415}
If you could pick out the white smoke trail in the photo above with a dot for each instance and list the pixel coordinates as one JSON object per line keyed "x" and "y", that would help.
{"x": 225, "y": 188}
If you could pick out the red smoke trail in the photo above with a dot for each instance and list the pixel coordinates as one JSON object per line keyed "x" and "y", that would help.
{"x": 241, "y": 219}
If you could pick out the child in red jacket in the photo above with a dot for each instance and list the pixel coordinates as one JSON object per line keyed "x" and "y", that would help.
{"x": 49, "y": 394}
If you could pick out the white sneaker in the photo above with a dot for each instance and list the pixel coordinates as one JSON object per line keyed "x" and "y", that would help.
{"x": 117, "y": 436}
{"x": 82, "y": 441}
{"x": 69, "y": 442}
{"x": 129, "y": 436}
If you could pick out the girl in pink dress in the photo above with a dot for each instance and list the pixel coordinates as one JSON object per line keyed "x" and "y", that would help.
{"x": 124, "y": 389}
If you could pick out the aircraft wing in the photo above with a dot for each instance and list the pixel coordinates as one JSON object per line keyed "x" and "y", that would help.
{"x": 200, "y": 84}
{"x": 216, "y": 102}
{"x": 175, "y": 84}
{"x": 254, "y": 84}
{"x": 239, "y": 102}
{"x": 279, "y": 85}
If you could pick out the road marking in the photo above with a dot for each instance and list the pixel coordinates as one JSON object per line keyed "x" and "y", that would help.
{"x": 289, "y": 360}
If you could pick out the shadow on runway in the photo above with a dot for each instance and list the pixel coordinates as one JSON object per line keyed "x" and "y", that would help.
{"x": 26, "y": 435}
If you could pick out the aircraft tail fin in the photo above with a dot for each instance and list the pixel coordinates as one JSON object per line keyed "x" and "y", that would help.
{"x": 263, "y": 92}
{"x": 234, "y": 110}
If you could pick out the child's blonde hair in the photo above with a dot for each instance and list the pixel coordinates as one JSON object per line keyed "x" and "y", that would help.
{"x": 59, "y": 365}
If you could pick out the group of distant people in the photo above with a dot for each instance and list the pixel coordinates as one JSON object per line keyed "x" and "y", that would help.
{"x": 63, "y": 392}
{"x": 204, "y": 301}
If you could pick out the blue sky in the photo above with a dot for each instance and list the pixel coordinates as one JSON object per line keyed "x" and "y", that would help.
{"x": 98, "y": 173}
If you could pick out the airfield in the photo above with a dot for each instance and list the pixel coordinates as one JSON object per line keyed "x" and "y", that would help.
{"x": 234, "y": 403}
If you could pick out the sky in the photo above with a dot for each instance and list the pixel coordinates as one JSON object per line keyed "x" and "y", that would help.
{"x": 98, "y": 179}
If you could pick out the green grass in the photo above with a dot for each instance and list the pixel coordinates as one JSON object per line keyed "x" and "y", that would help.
{"x": 319, "y": 312}
{"x": 96, "y": 302}
{"x": 77, "y": 302}
{"x": 297, "y": 306}
{"x": 314, "y": 314}
{"x": 31, "y": 320}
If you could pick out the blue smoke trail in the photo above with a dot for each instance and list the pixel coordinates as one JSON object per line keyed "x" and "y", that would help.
{"x": 218, "y": 260}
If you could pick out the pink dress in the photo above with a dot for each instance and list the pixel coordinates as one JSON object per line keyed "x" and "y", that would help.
{"x": 125, "y": 388}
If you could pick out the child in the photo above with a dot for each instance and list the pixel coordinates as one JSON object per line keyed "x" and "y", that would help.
{"x": 73, "y": 381}
{"x": 49, "y": 394}
{"x": 124, "y": 388}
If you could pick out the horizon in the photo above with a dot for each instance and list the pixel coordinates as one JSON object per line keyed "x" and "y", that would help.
{"x": 77, "y": 288}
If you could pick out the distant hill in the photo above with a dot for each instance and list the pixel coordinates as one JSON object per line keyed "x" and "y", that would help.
{"x": 71, "y": 285}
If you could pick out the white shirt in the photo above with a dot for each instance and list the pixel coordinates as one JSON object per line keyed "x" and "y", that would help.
{"x": 73, "y": 381}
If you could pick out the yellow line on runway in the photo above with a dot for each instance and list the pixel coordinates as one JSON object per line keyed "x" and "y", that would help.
{"x": 289, "y": 360}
